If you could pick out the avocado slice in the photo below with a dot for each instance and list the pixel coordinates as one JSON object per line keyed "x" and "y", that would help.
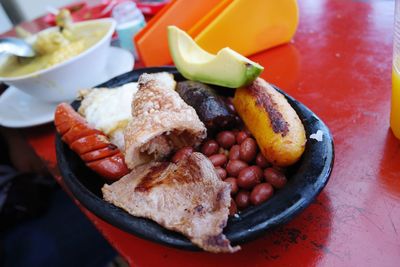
{"x": 227, "y": 68}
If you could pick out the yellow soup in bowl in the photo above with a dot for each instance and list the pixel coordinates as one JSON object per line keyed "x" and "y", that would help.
{"x": 54, "y": 47}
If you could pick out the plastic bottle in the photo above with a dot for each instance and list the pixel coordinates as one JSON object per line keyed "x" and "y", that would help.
{"x": 395, "y": 109}
{"x": 130, "y": 21}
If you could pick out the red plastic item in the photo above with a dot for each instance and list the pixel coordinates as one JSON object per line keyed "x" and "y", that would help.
{"x": 81, "y": 11}
{"x": 74, "y": 8}
{"x": 150, "y": 8}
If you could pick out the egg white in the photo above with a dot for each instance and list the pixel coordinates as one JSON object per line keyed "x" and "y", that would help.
{"x": 109, "y": 110}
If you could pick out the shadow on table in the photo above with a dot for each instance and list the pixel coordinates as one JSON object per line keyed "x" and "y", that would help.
{"x": 63, "y": 236}
{"x": 390, "y": 165}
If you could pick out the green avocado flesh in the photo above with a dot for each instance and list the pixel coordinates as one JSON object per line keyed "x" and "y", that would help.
{"x": 227, "y": 68}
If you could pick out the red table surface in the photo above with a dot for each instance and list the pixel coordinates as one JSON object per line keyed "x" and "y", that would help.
{"x": 339, "y": 65}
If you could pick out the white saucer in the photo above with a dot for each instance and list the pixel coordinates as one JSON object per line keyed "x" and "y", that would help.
{"x": 18, "y": 110}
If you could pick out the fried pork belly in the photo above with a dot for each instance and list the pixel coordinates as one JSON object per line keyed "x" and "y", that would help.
{"x": 186, "y": 197}
{"x": 162, "y": 122}
{"x": 109, "y": 110}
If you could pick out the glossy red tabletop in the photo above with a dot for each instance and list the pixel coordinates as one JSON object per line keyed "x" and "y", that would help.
{"x": 339, "y": 65}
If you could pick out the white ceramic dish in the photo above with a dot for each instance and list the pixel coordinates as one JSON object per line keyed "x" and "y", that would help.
{"x": 61, "y": 82}
{"x": 19, "y": 110}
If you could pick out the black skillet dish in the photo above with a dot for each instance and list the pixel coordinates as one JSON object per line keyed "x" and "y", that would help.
{"x": 307, "y": 178}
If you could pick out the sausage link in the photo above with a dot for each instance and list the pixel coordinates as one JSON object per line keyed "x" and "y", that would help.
{"x": 66, "y": 114}
{"x": 101, "y": 153}
{"x": 92, "y": 145}
{"x": 77, "y": 131}
{"x": 89, "y": 143}
{"x": 112, "y": 168}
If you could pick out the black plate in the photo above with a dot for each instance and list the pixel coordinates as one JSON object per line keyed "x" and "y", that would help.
{"x": 307, "y": 179}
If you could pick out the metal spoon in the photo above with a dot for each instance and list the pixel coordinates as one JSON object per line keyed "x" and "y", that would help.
{"x": 17, "y": 47}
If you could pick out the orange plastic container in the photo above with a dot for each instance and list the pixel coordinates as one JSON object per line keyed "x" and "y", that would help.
{"x": 251, "y": 26}
{"x": 209, "y": 17}
{"x": 152, "y": 42}
{"x": 245, "y": 26}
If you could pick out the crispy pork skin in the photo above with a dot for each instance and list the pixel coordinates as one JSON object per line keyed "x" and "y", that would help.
{"x": 186, "y": 197}
{"x": 162, "y": 122}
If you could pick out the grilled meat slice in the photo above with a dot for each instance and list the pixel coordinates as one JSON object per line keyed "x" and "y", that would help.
{"x": 186, "y": 197}
{"x": 162, "y": 122}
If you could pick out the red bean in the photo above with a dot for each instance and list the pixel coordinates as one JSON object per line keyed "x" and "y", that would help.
{"x": 233, "y": 183}
{"x": 258, "y": 171}
{"x": 241, "y": 136}
{"x": 232, "y": 208}
{"x": 242, "y": 199}
{"x": 218, "y": 159}
{"x": 261, "y": 193}
{"x": 276, "y": 178}
{"x": 248, "y": 149}
{"x": 235, "y": 166}
{"x": 210, "y": 148}
{"x": 182, "y": 153}
{"x": 226, "y": 139}
{"x": 234, "y": 153}
{"x": 249, "y": 177}
{"x": 221, "y": 172}
{"x": 262, "y": 161}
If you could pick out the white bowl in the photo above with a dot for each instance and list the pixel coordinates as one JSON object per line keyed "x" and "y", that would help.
{"x": 62, "y": 81}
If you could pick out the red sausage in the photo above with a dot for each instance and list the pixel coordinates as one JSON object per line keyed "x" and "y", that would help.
{"x": 111, "y": 168}
{"x": 66, "y": 114}
{"x": 77, "y": 131}
{"x": 101, "y": 153}
{"x": 90, "y": 144}
{"x": 63, "y": 127}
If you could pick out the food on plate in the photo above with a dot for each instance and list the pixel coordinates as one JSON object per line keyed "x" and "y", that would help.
{"x": 92, "y": 145}
{"x": 260, "y": 193}
{"x": 212, "y": 110}
{"x": 228, "y": 68}
{"x": 161, "y": 121}
{"x": 192, "y": 161}
{"x": 182, "y": 153}
{"x": 187, "y": 197}
{"x": 54, "y": 47}
{"x": 226, "y": 139}
{"x": 273, "y": 122}
{"x": 242, "y": 199}
{"x": 275, "y": 177}
{"x": 109, "y": 110}
{"x": 238, "y": 161}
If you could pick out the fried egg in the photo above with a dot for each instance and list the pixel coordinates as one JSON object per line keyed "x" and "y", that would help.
{"x": 109, "y": 110}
